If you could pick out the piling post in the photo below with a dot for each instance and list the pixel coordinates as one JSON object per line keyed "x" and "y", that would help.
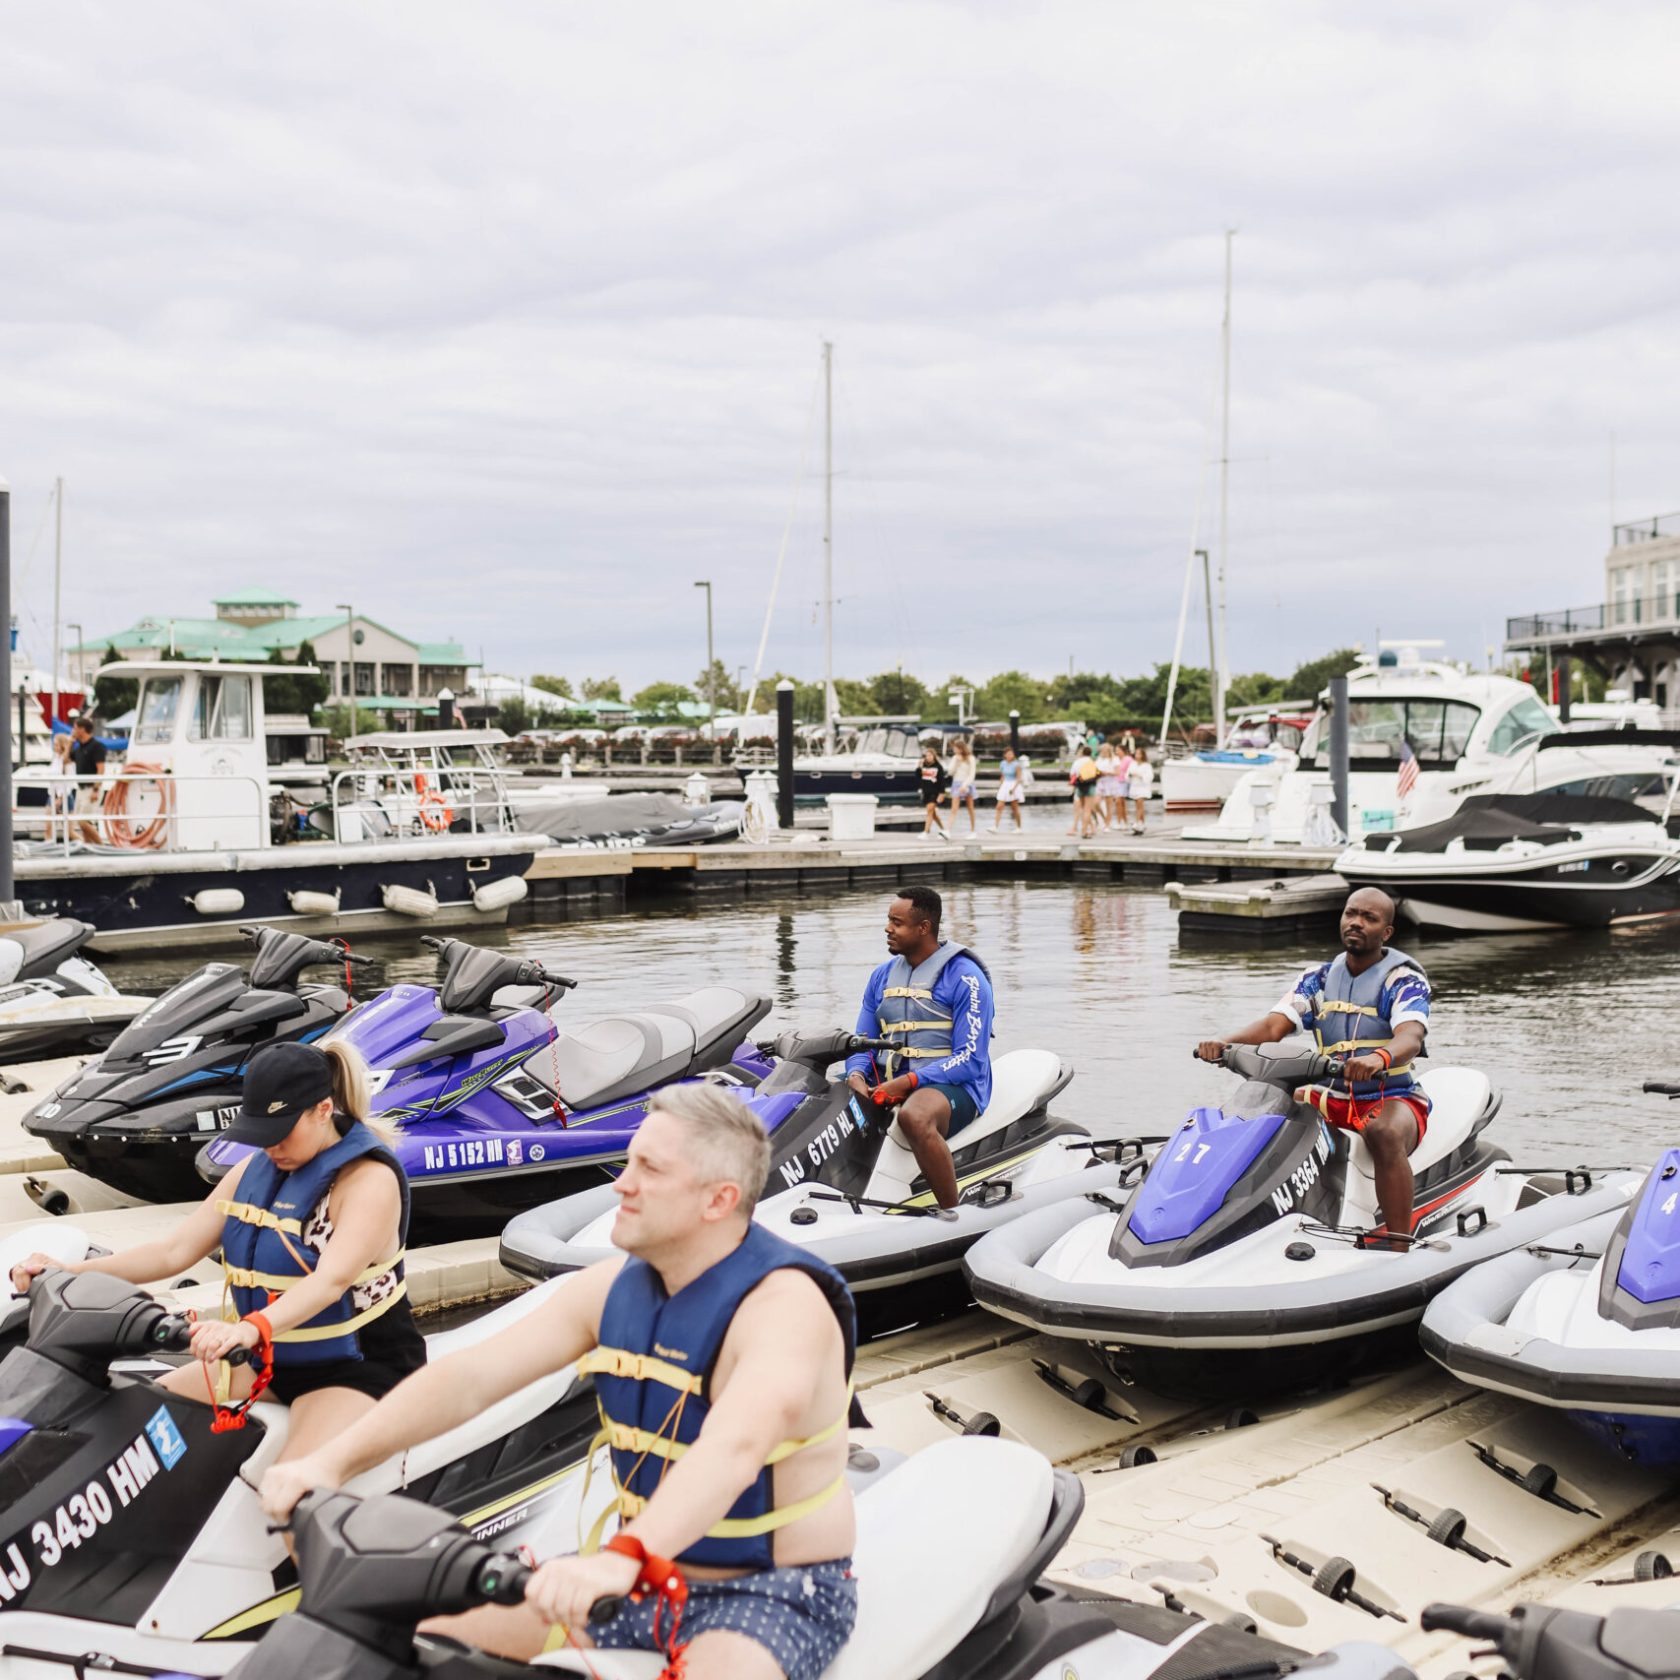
{"x": 1339, "y": 752}
{"x": 1564, "y": 680}
{"x": 1015, "y": 732}
{"x": 784, "y": 754}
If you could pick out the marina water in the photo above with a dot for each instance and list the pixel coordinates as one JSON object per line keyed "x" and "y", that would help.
{"x": 1565, "y": 1025}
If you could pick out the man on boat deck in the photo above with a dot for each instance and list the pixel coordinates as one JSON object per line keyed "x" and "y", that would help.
{"x": 1370, "y": 1004}
{"x": 933, "y": 999}
{"x": 722, "y": 1357}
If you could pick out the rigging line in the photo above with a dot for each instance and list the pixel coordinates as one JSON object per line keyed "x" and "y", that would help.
{"x": 1189, "y": 571}
{"x": 40, "y": 525}
{"x": 781, "y": 553}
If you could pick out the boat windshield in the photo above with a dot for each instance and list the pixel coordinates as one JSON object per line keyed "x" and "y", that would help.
{"x": 1438, "y": 731}
{"x": 160, "y": 702}
{"x": 1525, "y": 720}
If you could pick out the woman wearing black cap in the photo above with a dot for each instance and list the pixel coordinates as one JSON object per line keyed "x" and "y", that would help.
{"x": 311, "y": 1227}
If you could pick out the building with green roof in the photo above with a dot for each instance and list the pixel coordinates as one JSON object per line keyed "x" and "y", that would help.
{"x": 364, "y": 660}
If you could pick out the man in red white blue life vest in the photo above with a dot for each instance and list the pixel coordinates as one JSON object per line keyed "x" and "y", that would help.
{"x": 722, "y": 1360}
{"x": 1371, "y": 1005}
{"x": 933, "y": 999}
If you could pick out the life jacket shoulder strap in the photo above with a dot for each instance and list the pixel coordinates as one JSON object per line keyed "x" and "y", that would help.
{"x": 249, "y": 1214}
{"x": 639, "y": 1367}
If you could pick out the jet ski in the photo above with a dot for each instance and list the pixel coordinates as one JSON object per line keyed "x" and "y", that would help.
{"x": 501, "y": 1107}
{"x": 1587, "y": 1321}
{"x": 1247, "y": 1257}
{"x": 126, "y": 1510}
{"x": 844, "y": 1184}
{"x": 950, "y": 1547}
{"x": 53, "y": 1000}
{"x": 137, "y": 1117}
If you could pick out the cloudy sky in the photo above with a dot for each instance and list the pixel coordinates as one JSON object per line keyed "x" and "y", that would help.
{"x": 505, "y": 320}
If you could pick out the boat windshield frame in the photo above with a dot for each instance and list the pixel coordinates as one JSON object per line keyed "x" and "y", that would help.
{"x": 1433, "y": 745}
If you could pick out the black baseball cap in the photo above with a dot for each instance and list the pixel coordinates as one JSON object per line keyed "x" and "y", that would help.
{"x": 281, "y": 1082}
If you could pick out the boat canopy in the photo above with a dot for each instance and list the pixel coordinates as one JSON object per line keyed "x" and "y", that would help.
{"x": 1485, "y": 822}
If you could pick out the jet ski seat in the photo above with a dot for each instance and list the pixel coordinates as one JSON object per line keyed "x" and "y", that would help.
{"x": 43, "y": 947}
{"x": 624, "y": 1055}
{"x": 947, "y": 1528}
{"x": 1460, "y": 1096}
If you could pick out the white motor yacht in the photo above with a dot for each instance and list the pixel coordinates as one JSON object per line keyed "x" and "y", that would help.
{"x": 1467, "y": 733}
{"x": 1258, "y": 737}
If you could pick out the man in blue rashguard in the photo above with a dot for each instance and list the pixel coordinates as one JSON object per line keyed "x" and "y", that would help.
{"x": 933, "y": 999}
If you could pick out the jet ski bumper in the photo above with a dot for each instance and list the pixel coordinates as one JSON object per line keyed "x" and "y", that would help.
{"x": 544, "y": 1242}
{"x": 1277, "y": 1302}
{"x": 37, "y": 1646}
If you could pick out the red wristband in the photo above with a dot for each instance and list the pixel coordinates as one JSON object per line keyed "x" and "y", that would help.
{"x": 1386, "y": 1054}
{"x": 265, "y": 1330}
{"x": 658, "y": 1575}
{"x": 915, "y": 1080}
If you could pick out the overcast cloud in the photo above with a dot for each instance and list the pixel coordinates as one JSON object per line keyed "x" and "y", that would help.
{"x": 504, "y": 320}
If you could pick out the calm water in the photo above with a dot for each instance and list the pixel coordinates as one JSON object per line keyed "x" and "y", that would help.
{"x": 1565, "y": 1025}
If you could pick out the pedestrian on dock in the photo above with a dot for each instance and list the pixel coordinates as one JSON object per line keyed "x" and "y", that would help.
{"x": 87, "y": 753}
{"x": 1011, "y": 785}
{"x": 1141, "y": 783}
{"x": 1083, "y": 777}
{"x": 963, "y": 772}
{"x": 1111, "y": 787}
{"x": 932, "y": 779}
{"x": 61, "y": 788}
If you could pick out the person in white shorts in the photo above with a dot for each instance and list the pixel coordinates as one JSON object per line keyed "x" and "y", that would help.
{"x": 1010, "y": 788}
{"x": 1140, "y": 784}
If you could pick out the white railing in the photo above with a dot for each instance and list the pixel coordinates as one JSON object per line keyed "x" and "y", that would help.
{"x": 419, "y": 801}
{"x": 148, "y": 810}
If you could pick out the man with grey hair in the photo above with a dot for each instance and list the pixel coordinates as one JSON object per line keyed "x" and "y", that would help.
{"x": 722, "y": 1357}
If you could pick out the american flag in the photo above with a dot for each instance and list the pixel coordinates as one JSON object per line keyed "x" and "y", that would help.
{"x": 1407, "y": 779}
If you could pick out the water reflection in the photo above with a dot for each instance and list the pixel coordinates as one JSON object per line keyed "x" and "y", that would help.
{"x": 1566, "y": 1025}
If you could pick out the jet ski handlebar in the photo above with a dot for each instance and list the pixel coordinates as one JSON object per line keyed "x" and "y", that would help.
{"x": 1661, "y": 1088}
{"x": 1278, "y": 1064}
{"x": 1472, "y": 1624}
{"x": 1539, "y": 1642}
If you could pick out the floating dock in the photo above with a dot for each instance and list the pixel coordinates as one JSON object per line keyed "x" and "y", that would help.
{"x": 1282, "y": 908}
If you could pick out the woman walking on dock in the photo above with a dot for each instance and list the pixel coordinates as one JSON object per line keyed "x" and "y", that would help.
{"x": 932, "y": 780}
{"x": 963, "y": 772}
{"x": 1111, "y": 788}
{"x": 1141, "y": 784}
{"x": 1011, "y": 784}
{"x": 1083, "y": 776}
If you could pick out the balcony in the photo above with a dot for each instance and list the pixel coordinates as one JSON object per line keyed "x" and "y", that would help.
{"x": 1645, "y": 530}
{"x": 1607, "y": 619}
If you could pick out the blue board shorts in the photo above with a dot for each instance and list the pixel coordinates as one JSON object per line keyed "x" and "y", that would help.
{"x": 963, "y": 1106}
{"x": 801, "y": 1615}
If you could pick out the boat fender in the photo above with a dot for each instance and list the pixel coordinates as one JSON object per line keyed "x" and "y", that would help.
{"x": 500, "y": 895}
{"x": 307, "y": 902}
{"x": 218, "y": 901}
{"x": 409, "y": 901}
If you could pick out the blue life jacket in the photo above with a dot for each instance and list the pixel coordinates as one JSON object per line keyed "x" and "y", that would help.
{"x": 653, "y": 1372}
{"x": 1350, "y": 1021}
{"x": 264, "y": 1254}
{"x": 907, "y": 1014}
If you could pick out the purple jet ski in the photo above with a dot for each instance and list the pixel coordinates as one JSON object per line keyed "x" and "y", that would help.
{"x": 500, "y": 1107}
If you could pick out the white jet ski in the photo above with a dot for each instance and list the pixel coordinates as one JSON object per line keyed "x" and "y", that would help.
{"x": 1587, "y": 1322}
{"x": 855, "y": 1197}
{"x": 53, "y": 1000}
{"x": 1247, "y": 1258}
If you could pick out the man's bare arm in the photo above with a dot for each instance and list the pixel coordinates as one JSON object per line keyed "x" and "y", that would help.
{"x": 784, "y": 1335}
{"x": 440, "y": 1396}
{"x": 1271, "y": 1028}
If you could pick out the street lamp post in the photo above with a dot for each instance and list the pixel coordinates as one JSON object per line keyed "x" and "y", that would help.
{"x": 711, "y": 687}
{"x": 81, "y": 671}
{"x": 350, "y": 665}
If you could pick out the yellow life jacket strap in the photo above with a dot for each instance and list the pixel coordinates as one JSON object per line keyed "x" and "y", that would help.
{"x": 349, "y": 1326}
{"x": 639, "y": 1367}
{"x": 644, "y": 1441}
{"x": 916, "y": 1026}
{"x": 246, "y": 1214}
{"x": 631, "y": 1506}
{"x": 239, "y": 1277}
{"x": 905, "y": 1051}
{"x": 924, "y": 992}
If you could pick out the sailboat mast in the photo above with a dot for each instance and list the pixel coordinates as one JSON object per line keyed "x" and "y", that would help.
{"x": 1221, "y": 675}
{"x": 58, "y": 585}
{"x": 829, "y": 705}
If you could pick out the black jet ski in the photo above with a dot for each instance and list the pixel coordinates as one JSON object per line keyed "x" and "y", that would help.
{"x": 844, "y": 1184}
{"x": 1246, "y": 1259}
{"x": 137, "y": 1116}
{"x": 54, "y": 1000}
{"x": 124, "y": 1509}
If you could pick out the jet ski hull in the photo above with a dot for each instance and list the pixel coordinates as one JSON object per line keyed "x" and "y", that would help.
{"x": 1271, "y": 1320}
{"x": 1529, "y": 1324}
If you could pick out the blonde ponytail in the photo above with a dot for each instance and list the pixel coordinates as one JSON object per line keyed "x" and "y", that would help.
{"x": 350, "y": 1095}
